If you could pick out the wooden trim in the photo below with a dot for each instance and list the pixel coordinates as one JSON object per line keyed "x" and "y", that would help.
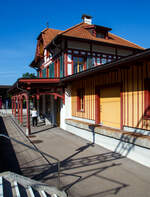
{"x": 142, "y": 81}
{"x": 43, "y": 80}
{"x": 137, "y": 95}
{"x": 127, "y": 99}
{"x": 121, "y": 105}
{"x": 133, "y": 97}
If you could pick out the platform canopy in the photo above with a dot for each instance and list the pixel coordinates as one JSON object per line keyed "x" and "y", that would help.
{"x": 24, "y": 88}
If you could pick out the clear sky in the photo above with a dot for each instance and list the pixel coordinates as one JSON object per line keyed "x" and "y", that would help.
{"x": 21, "y": 21}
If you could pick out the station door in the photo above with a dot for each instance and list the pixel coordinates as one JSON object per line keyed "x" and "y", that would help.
{"x": 110, "y": 107}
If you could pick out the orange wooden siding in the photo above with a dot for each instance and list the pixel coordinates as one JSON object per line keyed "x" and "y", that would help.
{"x": 132, "y": 81}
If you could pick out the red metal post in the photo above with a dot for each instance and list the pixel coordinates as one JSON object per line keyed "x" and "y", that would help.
{"x": 18, "y": 106}
{"x": 21, "y": 109}
{"x": 12, "y": 104}
{"x": 28, "y": 114}
{"x": 38, "y": 103}
{"x": 15, "y": 106}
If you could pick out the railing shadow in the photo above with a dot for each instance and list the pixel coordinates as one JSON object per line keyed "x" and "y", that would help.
{"x": 87, "y": 164}
{"x": 8, "y": 161}
{"x": 128, "y": 140}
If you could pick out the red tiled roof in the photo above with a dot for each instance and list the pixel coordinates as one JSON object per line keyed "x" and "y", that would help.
{"x": 49, "y": 34}
{"x": 80, "y": 31}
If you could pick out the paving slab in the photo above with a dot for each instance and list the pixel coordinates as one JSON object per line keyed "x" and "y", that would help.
{"x": 87, "y": 170}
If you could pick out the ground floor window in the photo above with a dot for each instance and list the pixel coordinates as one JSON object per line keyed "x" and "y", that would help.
{"x": 147, "y": 98}
{"x": 80, "y": 100}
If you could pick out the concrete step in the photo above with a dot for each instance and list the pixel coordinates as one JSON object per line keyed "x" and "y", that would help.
{"x": 11, "y": 188}
{"x": 15, "y": 185}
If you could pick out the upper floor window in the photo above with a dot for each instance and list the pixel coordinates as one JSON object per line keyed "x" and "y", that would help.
{"x": 78, "y": 64}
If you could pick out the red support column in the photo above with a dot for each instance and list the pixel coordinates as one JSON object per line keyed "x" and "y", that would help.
{"x": 38, "y": 103}
{"x": 18, "y": 106}
{"x": 15, "y": 107}
{"x": 12, "y": 104}
{"x": 28, "y": 114}
{"x": 21, "y": 110}
{"x": 97, "y": 105}
{"x": 121, "y": 98}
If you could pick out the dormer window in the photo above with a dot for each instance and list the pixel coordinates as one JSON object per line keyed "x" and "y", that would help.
{"x": 98, "y": 31}
{"x": 100, "y": 35}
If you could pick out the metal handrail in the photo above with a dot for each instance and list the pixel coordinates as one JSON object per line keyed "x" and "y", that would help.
{"x": 36, "y": 150}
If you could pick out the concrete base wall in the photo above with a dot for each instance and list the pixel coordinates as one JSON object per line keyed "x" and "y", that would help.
{"x": 132, "y": 151}
{"x": 137, "y": 130}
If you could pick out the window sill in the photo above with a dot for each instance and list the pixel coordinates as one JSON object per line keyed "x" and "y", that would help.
{"x": 81, "y": 110}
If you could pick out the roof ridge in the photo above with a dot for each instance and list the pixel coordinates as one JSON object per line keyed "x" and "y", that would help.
{"x": 44, "y": 30}
{"x": 127, "y": 40}
{"x": 70, "y": 28}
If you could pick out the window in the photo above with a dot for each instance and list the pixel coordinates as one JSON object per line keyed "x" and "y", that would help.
{"x": 51, "y": 70}
{"x": 80, "y": 99}
{"x": 78, "y": 64}
{"x": 89, "y": 62}
{"x": 94, "y": 61}
{"x": 147, "y": 98}
{"x": 104, "y": 59}
{"x": 98, "y": 61}
{"x": 100, "y": 35}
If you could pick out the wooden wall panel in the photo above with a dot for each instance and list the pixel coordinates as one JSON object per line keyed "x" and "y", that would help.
{"x": 132, "y": 93}
{"x": 130, "y": 102}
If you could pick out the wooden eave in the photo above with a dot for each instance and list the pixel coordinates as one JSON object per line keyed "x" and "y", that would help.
{"x": 26, "y": 84}
{"x": 91, "y": 41}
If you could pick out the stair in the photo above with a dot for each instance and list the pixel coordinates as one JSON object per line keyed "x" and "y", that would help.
{"x": 14, "y": 185}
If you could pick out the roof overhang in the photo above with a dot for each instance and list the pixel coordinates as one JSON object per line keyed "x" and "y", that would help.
{"x": 34, "y": 85}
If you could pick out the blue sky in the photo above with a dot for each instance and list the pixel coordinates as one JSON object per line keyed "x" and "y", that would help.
{"x": 21, "y": 21}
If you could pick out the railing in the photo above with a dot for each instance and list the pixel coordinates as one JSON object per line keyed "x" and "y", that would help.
{"x": 37, "y": 150}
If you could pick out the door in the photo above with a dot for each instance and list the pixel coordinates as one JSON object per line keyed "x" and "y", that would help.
{"x": 110, "y": 107}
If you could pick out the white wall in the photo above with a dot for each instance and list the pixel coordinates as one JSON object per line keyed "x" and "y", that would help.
{"x": 65, "y": 112}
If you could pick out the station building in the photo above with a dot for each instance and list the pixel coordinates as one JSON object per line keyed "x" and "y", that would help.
{"x": 89, "y": 80}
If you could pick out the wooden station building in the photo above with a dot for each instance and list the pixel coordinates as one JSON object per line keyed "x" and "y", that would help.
{"x": 86, "y": 74}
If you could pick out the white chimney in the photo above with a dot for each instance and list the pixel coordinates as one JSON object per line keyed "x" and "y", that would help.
{"x": 87, "y": 19}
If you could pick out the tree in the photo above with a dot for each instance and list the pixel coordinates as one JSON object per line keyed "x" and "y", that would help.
{"x": 28, "y": 75}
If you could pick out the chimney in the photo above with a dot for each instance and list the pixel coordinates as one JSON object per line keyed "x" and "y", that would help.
{"x": 87, "y": 19}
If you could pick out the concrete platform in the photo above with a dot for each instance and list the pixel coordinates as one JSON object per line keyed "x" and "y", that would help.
{"x": 87, "y": 170}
